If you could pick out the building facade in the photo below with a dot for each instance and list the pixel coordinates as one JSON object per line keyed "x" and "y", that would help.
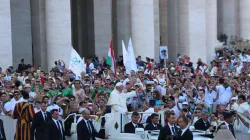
{"x": 43, "y": 31}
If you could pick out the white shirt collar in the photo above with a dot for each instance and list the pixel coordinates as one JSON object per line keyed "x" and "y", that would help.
{"x": 85, "y": 120}
{"x": 170, "y": 125}
{"x": 55, "y": 121}
{"x": 134, "y": 124}
{"x": 42, "y": 111}
{"x": 184, "y": 130}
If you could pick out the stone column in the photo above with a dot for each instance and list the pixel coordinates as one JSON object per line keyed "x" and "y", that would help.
{"x": 228, "y": 20}
{"x": 184, "y": 27}
{"x": 123, "y": 20}
{"x": 5, "y": 35}
{"x": 211, "y": 23}
{"x": 163, "y": 22}
{"x": 58, "y": 31}
{"x": 245, "y": 19}
{"x": 102, "y": 26}
{"x": 173, "y": 29}
{"x": 145, "y": 33}
{"x": 39, "y": 33}
{"x": 21, "y": 31}
{"x": 197, "y": 30}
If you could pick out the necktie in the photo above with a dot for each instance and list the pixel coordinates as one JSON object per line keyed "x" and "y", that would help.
{"x": 173, "y": 130}
{"x": 180, "y": 132}
{"x": 156, "y": 127}
{"x": 59, "y": 128}
{"x": 45, "y": 116}
{"x": 89, "y": 127}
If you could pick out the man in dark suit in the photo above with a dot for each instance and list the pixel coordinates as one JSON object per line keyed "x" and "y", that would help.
{"x": 55, "y": 127}
{"x": 184, "y": 132}
{"x": 21, "y": 66}
{"x": 228, "y": 118}
{"x": 130, "y": 127}
{"x": 39, "y": 123}
{"x": 170, "y": 131}
{"x": 85, "y": 128}
{"x": 202, "y": 123}
{"x": 2, "y": 133}
{"x": 154, "y": 125}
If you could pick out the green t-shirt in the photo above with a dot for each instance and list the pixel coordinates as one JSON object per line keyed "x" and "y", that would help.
{"x": 32, "y": 88}
{"x": 66, "y": 92}
{"x": 93, "y": 94}
{"x": 53, "y": 92}
{"x": 109, "y": 92}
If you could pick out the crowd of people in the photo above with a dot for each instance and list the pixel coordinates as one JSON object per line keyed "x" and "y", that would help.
{"x": 197, "y": 94}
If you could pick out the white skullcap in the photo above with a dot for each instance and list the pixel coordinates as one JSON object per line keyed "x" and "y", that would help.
{"x": 118, "y": 84}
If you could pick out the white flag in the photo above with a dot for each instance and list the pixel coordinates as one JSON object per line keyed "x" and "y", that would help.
{"x": 131, "y": 57}
{"x": 76, "y": 63}
{"x": 125, "y": 54}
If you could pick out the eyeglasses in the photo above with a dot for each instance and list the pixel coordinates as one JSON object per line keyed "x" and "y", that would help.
{"x": 16, "y": 94}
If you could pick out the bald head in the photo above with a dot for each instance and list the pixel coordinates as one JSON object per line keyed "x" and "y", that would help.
{"x": 86, "y": 114}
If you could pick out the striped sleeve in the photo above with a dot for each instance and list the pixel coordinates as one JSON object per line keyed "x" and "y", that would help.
{"x": 30, "y": 113}
{"x": 15, "y": 112}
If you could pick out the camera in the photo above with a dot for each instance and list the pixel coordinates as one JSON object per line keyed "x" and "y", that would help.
{"x": 232, "y": 112}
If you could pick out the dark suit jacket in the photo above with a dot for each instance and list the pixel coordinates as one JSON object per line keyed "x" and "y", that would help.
{"x": 188, "y": 135}
{"x": 129, "y": 127}
{"x": 2, "y": 130}
{"x": 83, "y": 132}
{"x": 230, "y": 126}
{"x": 21, "y": 67}
{"x": 53, "y": 131}
{"x": 200, "y": 125}
{"x": 39, "y": 126}
{"x": 165, "y": 133}
{"x": 150, "y": 126}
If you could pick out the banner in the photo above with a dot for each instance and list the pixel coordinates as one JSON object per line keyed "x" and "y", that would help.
{"x": 76, "y": 63}
{"x": 130, "y": 59}
{"x": 163, "y": 52}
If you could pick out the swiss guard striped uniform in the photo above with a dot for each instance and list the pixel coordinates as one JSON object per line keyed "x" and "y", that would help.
{"x": 24, "y": 114}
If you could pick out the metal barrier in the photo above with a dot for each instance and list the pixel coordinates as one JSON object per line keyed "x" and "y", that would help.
{"x": 10, "y": 128}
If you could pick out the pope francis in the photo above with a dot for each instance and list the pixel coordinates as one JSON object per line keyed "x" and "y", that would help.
{"x": 117, "y": 99}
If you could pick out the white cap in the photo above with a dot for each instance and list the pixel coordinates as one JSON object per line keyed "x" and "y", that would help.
{"x": 185, "y": 103}
{"x": 234, "y": 98}
{"x": 118, "y": 84}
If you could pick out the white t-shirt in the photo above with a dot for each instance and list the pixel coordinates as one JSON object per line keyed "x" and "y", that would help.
{"x": 14, "y": 102}
{"x": 7, "y": 107}
{"x": 224, "y": 94}
{"x": 238, "y": 69}
{"x": 209, "y": 96}
{"x": 32, "y": 94}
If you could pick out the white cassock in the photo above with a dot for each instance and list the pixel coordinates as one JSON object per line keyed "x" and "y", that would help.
{"x": 118, "y": 100}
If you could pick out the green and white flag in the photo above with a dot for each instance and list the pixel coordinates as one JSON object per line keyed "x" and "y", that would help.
{"x": 111, "y": 58}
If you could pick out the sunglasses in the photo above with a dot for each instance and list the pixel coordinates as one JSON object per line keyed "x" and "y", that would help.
{"x": 16, "y": 94}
